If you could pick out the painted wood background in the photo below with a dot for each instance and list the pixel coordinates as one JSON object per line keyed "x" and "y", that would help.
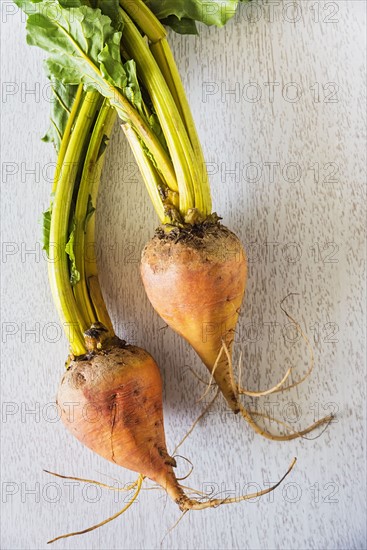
{"x": 279, "y": 101}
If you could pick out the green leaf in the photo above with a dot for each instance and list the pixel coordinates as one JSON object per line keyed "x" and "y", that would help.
{"x": 110, "y": 63}
{"x": 83, "y": 47}
{"x": 64, "y": 95}
{"x": 103, "y": 146}
{"x": 81, "y": 42}
{"x": 181, "y": 26}
{"x": 110, "y": 8}
{"x": 28, "y": 6}
{"x": 70, "y": 3}
{"x": 132, "y": 89}
{"x": 90, "y": 211}
{"x": 209, "y": 12}
{"x": 46, "y": 227}
{"x": 62, "y": 101}
{"x": 69, "y": 249}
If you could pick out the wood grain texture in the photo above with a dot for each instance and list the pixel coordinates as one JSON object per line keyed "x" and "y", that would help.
{"x": 303, "y": 233}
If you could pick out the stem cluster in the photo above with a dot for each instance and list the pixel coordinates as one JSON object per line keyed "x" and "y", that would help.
{"x": 173, "y": 167}
{"x": 77, "y": 177}
{"x": 184, "y": 198}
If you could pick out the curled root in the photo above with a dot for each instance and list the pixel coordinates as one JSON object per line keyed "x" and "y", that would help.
{"x": 300, "y": 331}
{"x": 92, "y": 481}
{"x": 274, "y": 389}
{"x": 138, "y": 485}
{"x": 247, "y": 415}
{"x": 191, "y": 467}
{"x": 279, "y": 387}
{"x": 187, "y": 504}
{"x": 242, "y": 391}
{"x": 302, "y": 433}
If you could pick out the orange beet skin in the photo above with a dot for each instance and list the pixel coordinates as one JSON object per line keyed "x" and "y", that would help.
{"x": 112, "y": 403}
{"x": 197, "y": 284}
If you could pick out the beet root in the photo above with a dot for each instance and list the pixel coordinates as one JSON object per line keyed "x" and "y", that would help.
{"x": 196, "y": 283}
{"x": 112, "y": 402}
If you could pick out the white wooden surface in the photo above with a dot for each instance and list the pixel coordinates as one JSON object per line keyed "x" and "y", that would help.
{"x": 317, "y": 228}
